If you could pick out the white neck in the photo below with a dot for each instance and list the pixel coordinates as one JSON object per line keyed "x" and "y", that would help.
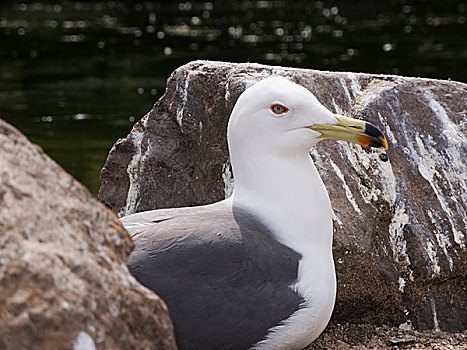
{"x": 287, "y": 193}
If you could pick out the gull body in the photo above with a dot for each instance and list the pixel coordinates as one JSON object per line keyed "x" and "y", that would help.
{"x": 276, "y": 179}
{"x": 261, "y": 259}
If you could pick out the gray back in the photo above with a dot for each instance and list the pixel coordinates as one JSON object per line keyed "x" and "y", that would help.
{"x": 224, "y": 277}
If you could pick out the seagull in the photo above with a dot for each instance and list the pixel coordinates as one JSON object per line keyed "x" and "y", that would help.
{"x": 254, "y": 271}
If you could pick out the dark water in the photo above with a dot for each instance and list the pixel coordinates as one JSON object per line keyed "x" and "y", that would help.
{"x": 75, "y": 75}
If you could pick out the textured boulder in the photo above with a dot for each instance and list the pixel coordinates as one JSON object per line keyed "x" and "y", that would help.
{"x": 400, "y": 225}
{"x": 63, "y": 279}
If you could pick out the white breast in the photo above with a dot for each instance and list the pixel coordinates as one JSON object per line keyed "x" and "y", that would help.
{"x": 290, "y": 198}
{"x": 317, "y": 285}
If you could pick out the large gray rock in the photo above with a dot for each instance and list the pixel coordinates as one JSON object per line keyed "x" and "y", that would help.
{"x": 63, "y": 278}
{"x": 400, "y": 226}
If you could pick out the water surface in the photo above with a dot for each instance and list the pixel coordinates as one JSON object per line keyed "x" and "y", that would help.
{"x": 74, "y": 76}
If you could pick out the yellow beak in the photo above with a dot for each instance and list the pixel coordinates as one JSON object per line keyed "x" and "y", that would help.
{"x": 352, "y": 130}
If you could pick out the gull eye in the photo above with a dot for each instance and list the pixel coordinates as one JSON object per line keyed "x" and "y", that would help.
{"x": 277, "y": 108}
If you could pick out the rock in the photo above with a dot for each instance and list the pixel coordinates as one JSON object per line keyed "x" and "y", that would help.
{"x": 63, "y": 278}
{"x": 400, "y": 225}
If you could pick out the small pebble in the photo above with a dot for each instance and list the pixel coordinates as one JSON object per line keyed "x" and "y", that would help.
{"x": 383, "y": 157}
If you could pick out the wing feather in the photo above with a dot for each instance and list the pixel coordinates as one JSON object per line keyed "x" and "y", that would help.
{"x": 224, "y": 277}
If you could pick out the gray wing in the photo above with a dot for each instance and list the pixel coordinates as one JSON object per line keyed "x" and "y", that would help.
{"x": 225, "y": 279}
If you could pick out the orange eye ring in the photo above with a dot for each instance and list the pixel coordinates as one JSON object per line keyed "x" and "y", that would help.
{"x": 278, "y": 109}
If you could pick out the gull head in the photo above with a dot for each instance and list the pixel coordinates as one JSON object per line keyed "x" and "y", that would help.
{"x": 278, "y": 117}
